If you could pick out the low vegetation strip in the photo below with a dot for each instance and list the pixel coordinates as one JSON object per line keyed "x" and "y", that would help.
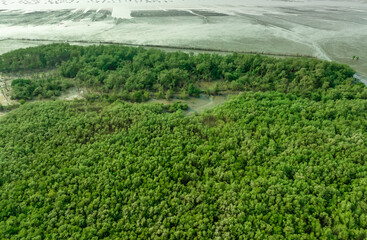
{"x": 178, "y": 48}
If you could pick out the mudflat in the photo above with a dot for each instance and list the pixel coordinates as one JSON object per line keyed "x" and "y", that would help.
{"x": 325, "y": 29}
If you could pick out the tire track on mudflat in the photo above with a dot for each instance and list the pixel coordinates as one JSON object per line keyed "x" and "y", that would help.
{"x": 294, "y": 36}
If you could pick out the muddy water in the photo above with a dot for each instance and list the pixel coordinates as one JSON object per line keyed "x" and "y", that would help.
{"x": 205, "y": 102}
{"x": 195, "y": 104}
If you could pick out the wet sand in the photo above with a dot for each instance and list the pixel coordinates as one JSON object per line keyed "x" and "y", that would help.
{"x": 331, "y": 30}
{"x": 361, "y": 78}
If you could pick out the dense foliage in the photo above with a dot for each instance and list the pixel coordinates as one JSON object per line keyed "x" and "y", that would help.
{"x": 286, "y": 159}
{"x": 33, "y": 58}
{"x": 264, "y": 165}
{"x": 131, "y": 73}
{"x": 27, "y": 89}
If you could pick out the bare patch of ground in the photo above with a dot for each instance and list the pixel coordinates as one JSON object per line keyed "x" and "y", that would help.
{"x": 5, "y": 91}
{"x": 73, "y": 94}
{"x": 196, "y": 105}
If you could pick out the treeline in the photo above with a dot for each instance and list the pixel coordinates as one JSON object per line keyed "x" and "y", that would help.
{"x": 121, "y": 71}
{"x": 262, "y": 166}
{"x": 35, "y": 58}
